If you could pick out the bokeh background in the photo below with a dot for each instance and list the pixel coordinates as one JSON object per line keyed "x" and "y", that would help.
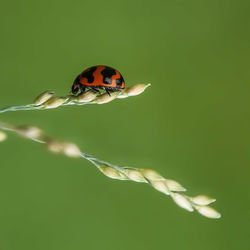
{"x": 191, "y": 125}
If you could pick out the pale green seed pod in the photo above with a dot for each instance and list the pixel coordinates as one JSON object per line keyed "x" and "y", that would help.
{"x": 55, "y": 146}
{"x": 208, "y": 212}
{"x": 31, "y": 132}
{"x": 136, "y": 89}
{"x": 43, "y": 97}
{"x": 202, "y": 200}
{"x": 161, "y": 186}
{"x": 174, "y": 186}
{"x": 105, "y": 98}
{"x": 3, "y": 136}
{"x": 112, "y": 173}
{"x": 71, "y": 150}
{"x": 86, "y": 97}
{"x": 54, "y": 102}
{"x": 123, "y": 94}
{"x": 135, "y": 175}
{"x": 151, "y": 175}
{"x": 182, "y": 201}
{"x": 67, "y": 148}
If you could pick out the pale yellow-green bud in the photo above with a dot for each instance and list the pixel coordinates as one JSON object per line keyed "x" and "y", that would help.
{"x": 30, "y": 132}
{"x": 54, "y": 102}
{"x": 71, "y": 149}
{"x": 202, "y": 200}
{"x": 86, "y": 97}
{"x": 123, "y": 94}
{"x": 3, "y": 136}
{"x": 136, "y": 89}
{"x": 112, "y": 173}
{"x": 42, "y": 98}
{"x": 67, "y": 148}
{"x": 174, "y": 186}
{"x": 161, "y": 186}
{"x": 105, "y": 98}
{"x": 135, "y": 175}
{"x": 208, "y": 212}
{"x": 55, "y": 146}
{"x": 151, "y": 175}
{"x": 182, "y": 201}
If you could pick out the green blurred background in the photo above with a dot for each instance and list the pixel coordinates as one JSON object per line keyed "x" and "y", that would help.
{"x": 191, "y": 125}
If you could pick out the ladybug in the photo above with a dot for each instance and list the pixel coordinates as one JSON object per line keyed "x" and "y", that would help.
{"x": 98, "y": 77}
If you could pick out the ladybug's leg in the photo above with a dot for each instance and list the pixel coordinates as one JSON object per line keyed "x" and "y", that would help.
{"x": 75, "y": 89}
{"x": 95, "y": 90}
{"x": 82, "y": 89}
{"x": 108, "y": 91}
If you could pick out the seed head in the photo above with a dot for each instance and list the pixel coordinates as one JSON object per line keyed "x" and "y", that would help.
{"x": 161, "y": 186}
{"x": 182, "y": 201}
{"x": 123, "y": 94}
{"x": 105, "y": 98}
{"x": 55, "y": 102}
{"x": 135, "y": 175}
{"x": 43, "y": 97}
{"x": 174, "y": 186}
{"x": 202, "y": 200}
{"x": 208, "y": 212}
{"x": 112, "y": 173}
{"x": 55, "y": 146}
{"x": 151, "y": 175}
{"x": 71, "y": 149}
{"x": 31, "y": 132}
{"x": 86, "y": 97}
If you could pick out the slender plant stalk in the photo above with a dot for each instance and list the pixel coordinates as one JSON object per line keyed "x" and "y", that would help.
{"x": 168, "y": 187}
{"x": 46, "y": 100}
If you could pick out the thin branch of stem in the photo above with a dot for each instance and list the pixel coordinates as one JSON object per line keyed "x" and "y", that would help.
{"x": 46, "y": 100}
{"x": 167, "y": 186}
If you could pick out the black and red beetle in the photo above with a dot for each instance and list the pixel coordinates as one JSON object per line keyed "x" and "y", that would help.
{"x": 96, "y": 78}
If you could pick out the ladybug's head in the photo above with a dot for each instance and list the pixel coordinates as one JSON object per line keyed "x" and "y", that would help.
{"x": 75, "y": 87}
